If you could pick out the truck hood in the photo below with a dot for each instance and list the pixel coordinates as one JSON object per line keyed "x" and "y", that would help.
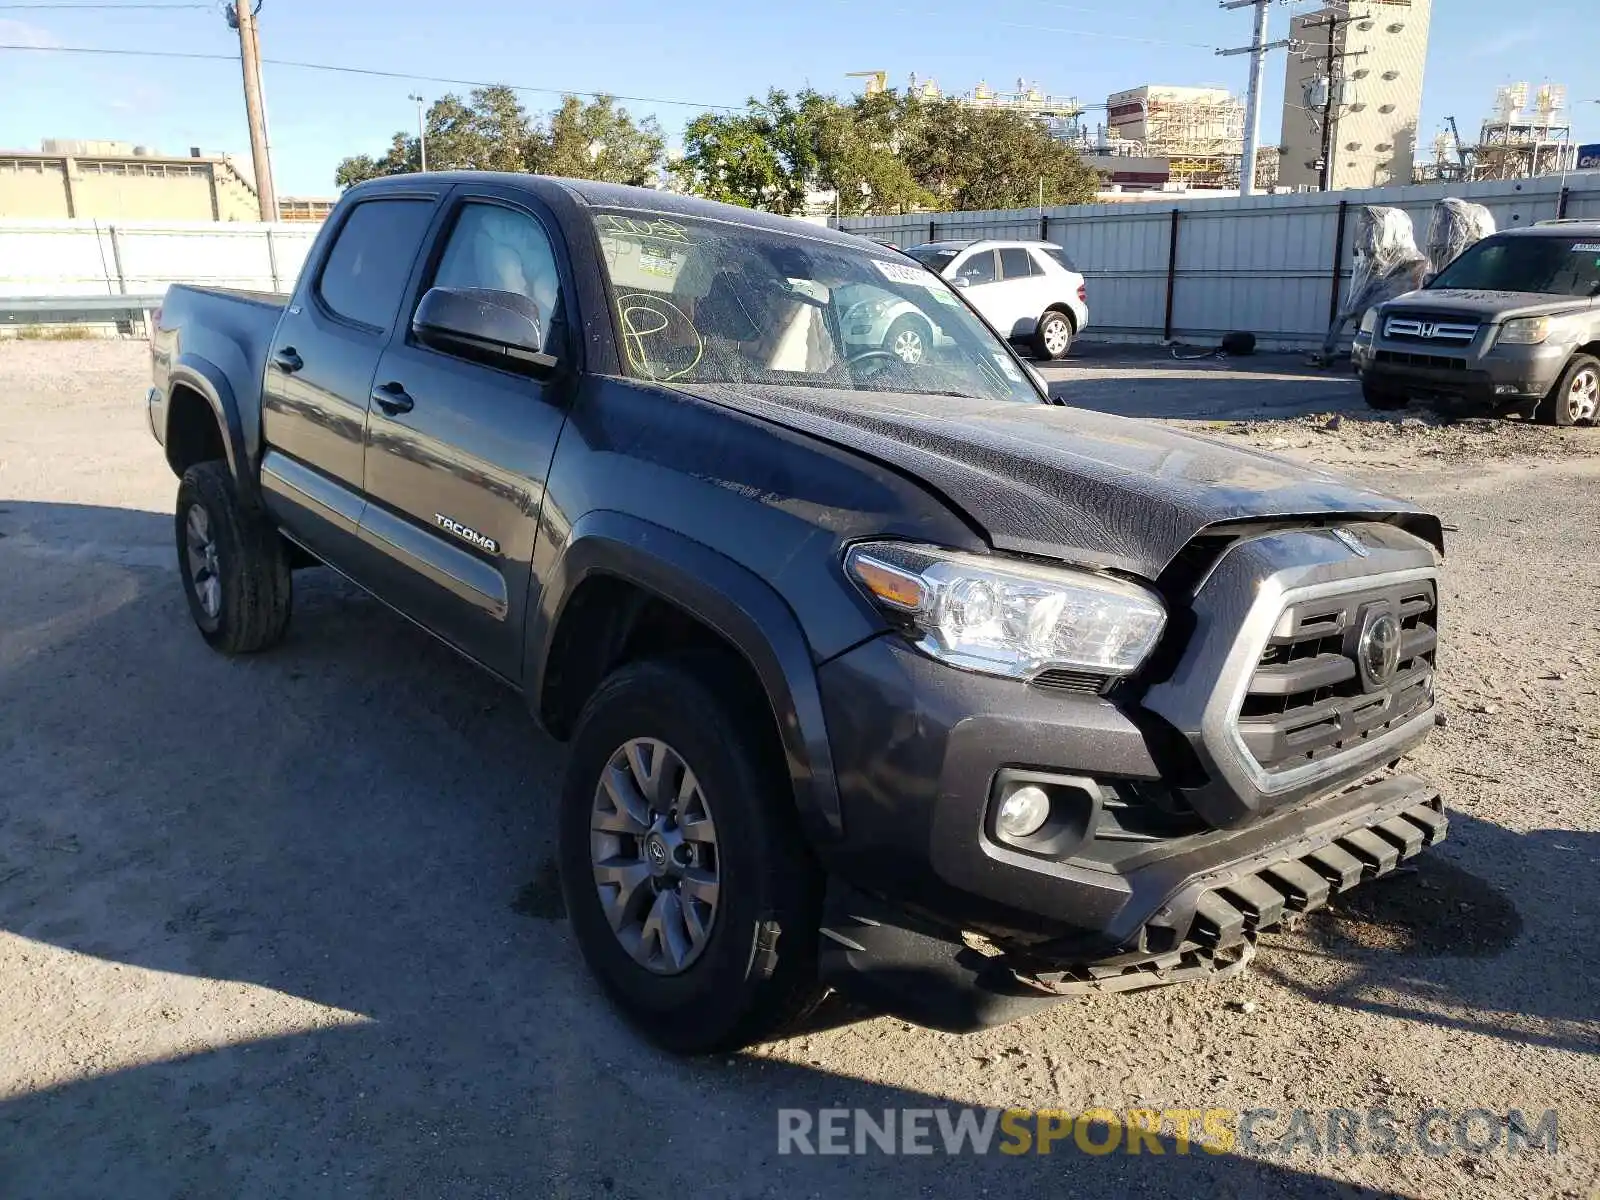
{"x": 1065, "y": 483}
{"x": 1488, "y": 306}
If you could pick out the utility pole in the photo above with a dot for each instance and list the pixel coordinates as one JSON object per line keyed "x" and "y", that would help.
{"x": 1333, "y": 58}
{"x": 243, "y": 18}
{"x": 422, "y": 133}
{"x": 1257, "y": 50}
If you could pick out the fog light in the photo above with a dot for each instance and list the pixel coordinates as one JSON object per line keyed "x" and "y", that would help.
{"x": 1023, "y": 812}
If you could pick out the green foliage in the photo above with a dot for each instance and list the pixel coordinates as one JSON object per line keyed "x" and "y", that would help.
{"x": 491, "y": 131}
{"x": 878, "y": 154}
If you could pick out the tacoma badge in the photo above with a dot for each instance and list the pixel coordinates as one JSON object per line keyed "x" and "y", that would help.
{"x": 466, "y": 534}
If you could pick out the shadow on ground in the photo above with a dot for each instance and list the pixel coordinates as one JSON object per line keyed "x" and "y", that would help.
{"x": 362, "y": 821}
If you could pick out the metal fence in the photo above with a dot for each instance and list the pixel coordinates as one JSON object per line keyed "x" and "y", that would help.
{"x": 66, "y": 259}
{"x": 1192, "y": 270}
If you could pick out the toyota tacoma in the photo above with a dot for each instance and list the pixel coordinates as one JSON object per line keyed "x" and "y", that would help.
{"x": 898, "y": 678}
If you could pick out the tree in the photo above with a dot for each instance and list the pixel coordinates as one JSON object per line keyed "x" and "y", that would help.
{"x": 761, "y": 157}
{"x": 491, "y": 131}
{"x": 598, "y": 140}
{"x": 978, "y": 158}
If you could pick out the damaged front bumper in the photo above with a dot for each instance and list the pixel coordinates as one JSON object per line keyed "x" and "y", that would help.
{"x": 1216, "y": 897}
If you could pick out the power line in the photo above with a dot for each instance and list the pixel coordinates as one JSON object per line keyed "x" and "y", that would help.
{"x": 370, "y": 71}
{"x": 97, "y": 7}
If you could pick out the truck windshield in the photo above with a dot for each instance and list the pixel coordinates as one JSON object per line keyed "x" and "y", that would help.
{"x": 1558, "y": 266}
{"x": 705, "y": 301}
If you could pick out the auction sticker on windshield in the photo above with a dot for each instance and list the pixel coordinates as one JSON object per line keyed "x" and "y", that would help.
{"x": 904, "y": 273}
{"x": 1587, "y": 248}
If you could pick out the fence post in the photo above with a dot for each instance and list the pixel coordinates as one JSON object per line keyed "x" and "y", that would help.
{"x": 1561, "y": 203}
{"x": 1044, "y": 227}
{"x": 1172, "y": 274}
{"x": 272, "y": 261}
{"x": 116, "y": 258}
{"x": 1338, "y": 262}
{"x": 933, "y": 236}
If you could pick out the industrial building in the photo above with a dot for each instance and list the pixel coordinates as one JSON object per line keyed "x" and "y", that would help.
{"x": 1199, "y": 130}
{"x": 1518, "y": 140}
{"x": 122, "y": 181}
{"x": 1354, "y": 86}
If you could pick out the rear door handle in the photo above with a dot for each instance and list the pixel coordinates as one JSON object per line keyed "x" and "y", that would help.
{"x": 288, "y": 361}
{"x": 393, "y": 399}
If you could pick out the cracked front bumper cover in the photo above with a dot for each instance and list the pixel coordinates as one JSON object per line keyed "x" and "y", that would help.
{"x": 1206, "y": 928}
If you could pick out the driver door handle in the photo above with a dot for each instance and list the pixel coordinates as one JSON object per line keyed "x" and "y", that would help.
{"x": 288, "y": 361}
{"x": 393, "y": 399}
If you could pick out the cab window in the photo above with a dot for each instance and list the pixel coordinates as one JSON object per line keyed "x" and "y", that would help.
{"x": 370, "y": 258}
{"x": 504, "y": 250}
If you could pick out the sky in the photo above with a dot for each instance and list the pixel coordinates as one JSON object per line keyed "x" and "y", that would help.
{"x": 710, "y": 52}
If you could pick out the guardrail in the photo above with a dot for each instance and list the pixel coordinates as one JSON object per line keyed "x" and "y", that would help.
{"x": 46, "y": 310}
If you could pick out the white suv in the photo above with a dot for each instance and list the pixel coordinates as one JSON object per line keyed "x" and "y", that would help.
{"x": 1026, "y": 290}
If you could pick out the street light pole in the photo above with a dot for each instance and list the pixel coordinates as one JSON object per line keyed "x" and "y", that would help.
{"x": 422, "y": 133}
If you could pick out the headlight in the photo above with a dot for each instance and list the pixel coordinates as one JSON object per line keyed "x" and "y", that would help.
{"x": 1369, "y": 320}
{"x": 1009, "y": 617}
{"x": 1525, "y": 331}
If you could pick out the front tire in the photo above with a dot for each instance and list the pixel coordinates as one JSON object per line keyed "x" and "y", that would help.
{"x": 686, "y": 878}
{"x": 1053, "y": 336}
{"x": 1575, "y": 399}
{"x": 1382, "y": 399}
{"x": 232, "y": 562}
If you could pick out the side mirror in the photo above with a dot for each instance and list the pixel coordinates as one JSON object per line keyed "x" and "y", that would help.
{"x": 501, "y": 329}
{"x": 961, "y": 281}
{"x": 1429, "y": 277}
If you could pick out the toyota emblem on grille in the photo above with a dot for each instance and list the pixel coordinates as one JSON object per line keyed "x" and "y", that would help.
{"x": 1378, "y": 651}
{"x": 1352, "y": 541}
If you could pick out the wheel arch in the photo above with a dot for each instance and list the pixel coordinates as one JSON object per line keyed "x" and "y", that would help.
{"x": 202, "y": 418}
{"x": 1065, "y": 309}
{"x": 624, "y": 588}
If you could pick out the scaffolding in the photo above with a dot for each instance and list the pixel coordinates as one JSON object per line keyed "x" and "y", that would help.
{"x": 1200, "y": 131}
{"x": 1516, "y": 141}
{"x": 1060, "y": 115}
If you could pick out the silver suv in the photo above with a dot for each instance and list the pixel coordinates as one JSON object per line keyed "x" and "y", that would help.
{"x": 1513, "y": 324}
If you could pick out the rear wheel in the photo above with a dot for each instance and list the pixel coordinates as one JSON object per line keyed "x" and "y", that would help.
{"x": 233, "y": 565}
{"x": 909, "y": 340}
{"x": 1575, "y": 399}
{"x": 1381, "y": 398}
{"x": 1053, "y": 336}
{"x": 687, "y": 881}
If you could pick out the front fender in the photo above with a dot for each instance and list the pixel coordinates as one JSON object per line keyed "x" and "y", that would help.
{"x": 728, "y": 598}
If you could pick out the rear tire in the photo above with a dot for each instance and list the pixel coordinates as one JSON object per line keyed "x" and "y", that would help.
{"x": 1576, "y": 395}
{"x": 232, "y": 562}
{"x": 752, "y": 970}
{"x": 1381, "y": 398}
{"x": 1052, "y": 338}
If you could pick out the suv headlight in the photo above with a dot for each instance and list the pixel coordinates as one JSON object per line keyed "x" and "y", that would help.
{"x": 1369, "y": 320}
{"x": 1007, "y": 616}
{"x": 1525, "y": 331}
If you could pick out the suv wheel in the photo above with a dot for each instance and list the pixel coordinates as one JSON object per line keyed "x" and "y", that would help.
{"x": 233, "y": 565}
{"x": 909, "y": 340}
{"x": 1053, "y": 337}
{"x": 686, "y": 878}
{"x": 1575, "y": 399}
{"x": 1381, "y": 398}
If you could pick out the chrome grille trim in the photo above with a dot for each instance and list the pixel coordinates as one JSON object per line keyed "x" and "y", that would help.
{"x": 1422, "y": 330}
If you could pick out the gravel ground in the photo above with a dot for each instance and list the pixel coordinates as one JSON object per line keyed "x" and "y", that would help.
{"x": 284, "y": 926}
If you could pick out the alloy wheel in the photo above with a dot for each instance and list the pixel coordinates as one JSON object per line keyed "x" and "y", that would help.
{"x": 1583, "y": 395}
{"x": 1056, "y": 336}
{"x": 653, "y": 850}
{"x": 908, "y": 347}
{"x": 201, "y": 548}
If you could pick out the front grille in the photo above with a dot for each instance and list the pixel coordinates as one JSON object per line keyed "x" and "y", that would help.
{"x": 1310, "y": 696}
{"x": 1438, "y": 362}
{"x": 1457, "y": 331}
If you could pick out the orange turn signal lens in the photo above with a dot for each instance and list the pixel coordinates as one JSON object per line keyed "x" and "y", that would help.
{"x": 895, "y": 587}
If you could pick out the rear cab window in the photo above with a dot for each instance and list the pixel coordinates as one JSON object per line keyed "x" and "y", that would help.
{"x": 367, "y": 267}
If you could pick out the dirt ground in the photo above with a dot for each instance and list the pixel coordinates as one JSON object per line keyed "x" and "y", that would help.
{"x": 283, "y": 926}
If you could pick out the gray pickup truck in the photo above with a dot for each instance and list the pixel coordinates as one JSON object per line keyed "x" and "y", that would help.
{"x": 1513, "y": 325}
{"x": 898, "y": 677}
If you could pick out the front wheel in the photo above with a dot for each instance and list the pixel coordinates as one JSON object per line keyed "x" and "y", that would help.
{"x": 686, "y": 878}
{"x": 1575, "y": 399}
{"x": 232, "y": 562}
